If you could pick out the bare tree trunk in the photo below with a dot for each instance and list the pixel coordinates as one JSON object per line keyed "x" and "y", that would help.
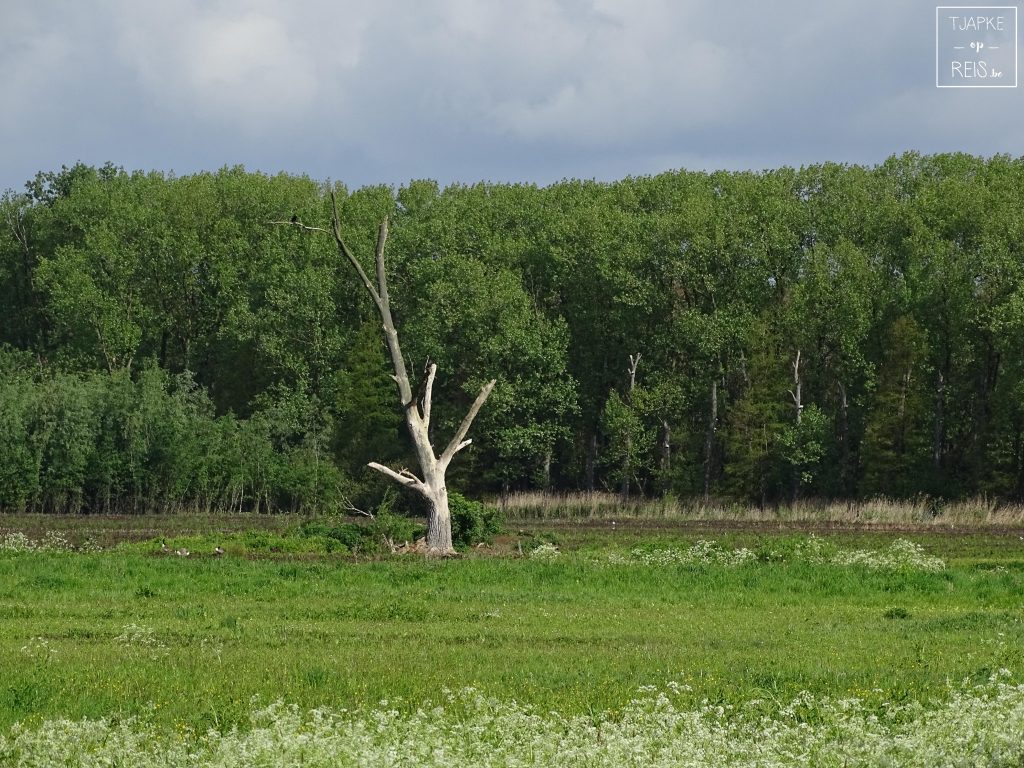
{"x": 1018, "y": 459}
{"x": 844, "y": 438}
{"x": 627, "y": 459}
{"x": 902, "y": 411}
{"x": 798, "y": 404}
{"x": 591, "y": 461}
{"x": 939, "y": 435}
{"x": 665, "y": 463}
{"x": 981, "y": 407}
{"x": 709, "y": 438}
{"x": 431, "y": 484}
{"x": 439, "y": 525}
{"x": 795, "y": 392}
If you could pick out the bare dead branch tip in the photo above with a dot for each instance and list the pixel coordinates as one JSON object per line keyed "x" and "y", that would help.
{"x": 300, "y": 225}
{"x": 349, "y": 507}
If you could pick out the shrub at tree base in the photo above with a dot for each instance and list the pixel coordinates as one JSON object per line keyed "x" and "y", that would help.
{"x": 472, "y": 521}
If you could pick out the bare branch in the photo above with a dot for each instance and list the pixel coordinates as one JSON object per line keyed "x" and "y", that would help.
{"x": 403, "y": 477}
{"x": 300, "y": 225}
{"x": 384, "y": 306}
{"x": 797, "y": 399}
{"x": 379, "y": 295}
{"x": 428, "y": 392}
{"x": 349, "y": 507}
{"x": 634, "y": 361}
{"x": 344, "y": 249}
{"x": 378, "y": 260}
{"x": 455, "y": 445}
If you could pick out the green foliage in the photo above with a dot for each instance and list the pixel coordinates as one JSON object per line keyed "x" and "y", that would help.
{"x": 895, "y": 441}
{"x": 473, "y": 522}
{"x": 394, "y": 528}
{"x": 105, "y": 442}
{"x": 344, "y": 537}
{"x": 476, "y": 321}
{"x": 629, "y": 443}
{"x": 803, "y": 444}
{"x": 901, "y": 286}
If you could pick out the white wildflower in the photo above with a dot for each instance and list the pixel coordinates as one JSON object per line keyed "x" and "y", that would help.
{"x": 139, "y": 639}
{"x": 978, "y": 725}
{"x": 546, "y": 553}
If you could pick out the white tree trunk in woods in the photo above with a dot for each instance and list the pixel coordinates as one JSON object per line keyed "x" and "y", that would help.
{"x": 795, "y": 392}
{"x": 430, "y": 483}
{"x": 634, "y": 361}
{"x": 798, "y": 404}
{"x": 709, "y": 438}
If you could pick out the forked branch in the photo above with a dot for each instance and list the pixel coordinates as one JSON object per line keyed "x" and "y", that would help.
{"x": 428, "y": 392}
{"x": 403, "y": 476}
{"x": 343, "y": 247}
{"x": 459, "y": 441}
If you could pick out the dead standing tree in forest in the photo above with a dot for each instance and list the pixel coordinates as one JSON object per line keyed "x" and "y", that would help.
{"x": 431, "y": 483}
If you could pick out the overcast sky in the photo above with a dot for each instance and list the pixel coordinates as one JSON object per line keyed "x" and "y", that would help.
{"x": 469, "y": 90}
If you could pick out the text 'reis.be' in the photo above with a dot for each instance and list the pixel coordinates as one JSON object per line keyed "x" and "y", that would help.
{"x": 976, "y": 46}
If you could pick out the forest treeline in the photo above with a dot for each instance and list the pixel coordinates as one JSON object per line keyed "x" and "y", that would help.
{"x": 835, "y": 331}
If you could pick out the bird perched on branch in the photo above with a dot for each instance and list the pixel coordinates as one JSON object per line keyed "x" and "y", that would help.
{"x": 295, "y": 218}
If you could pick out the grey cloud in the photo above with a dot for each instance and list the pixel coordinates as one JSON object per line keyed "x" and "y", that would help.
{"x": 473, "y": 89}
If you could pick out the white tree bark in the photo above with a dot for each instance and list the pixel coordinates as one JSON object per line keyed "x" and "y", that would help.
{"x": 634, "y": 361}
{"x": 431, "y": 481}
{"x": 795, "y": 392}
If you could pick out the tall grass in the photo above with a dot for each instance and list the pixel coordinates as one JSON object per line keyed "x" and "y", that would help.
{"x": 923, "y": 511}
{"x": 189, "y": 641}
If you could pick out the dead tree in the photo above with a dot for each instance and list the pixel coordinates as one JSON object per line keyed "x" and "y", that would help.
{"x": 709, "y": 435}
{"x": 795, "y": 392}
{"x": 845, "y": 472}
{"x": 798, "y": 405}
{"x": 417, "y": 409}
{"x": 627, "y": 469}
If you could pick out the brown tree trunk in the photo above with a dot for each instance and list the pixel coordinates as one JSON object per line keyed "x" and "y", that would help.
{"x": 709, "y": 438}
{"x": 939, "y": 435}
{"x": 1018, "y": 459}
{"x": 902, "y": 411}
{"x": 588, "y": 479}
{"x": 665, "y": 448}
{"x": 844, "y": 440}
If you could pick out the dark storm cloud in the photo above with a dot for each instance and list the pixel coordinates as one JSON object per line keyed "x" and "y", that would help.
{"x": 466, "y": 90}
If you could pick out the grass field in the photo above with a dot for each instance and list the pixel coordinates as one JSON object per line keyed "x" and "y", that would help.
{"x": 582, "y": 629}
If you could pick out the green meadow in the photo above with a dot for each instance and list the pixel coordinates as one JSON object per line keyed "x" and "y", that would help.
{"x": 185, "y": 644}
